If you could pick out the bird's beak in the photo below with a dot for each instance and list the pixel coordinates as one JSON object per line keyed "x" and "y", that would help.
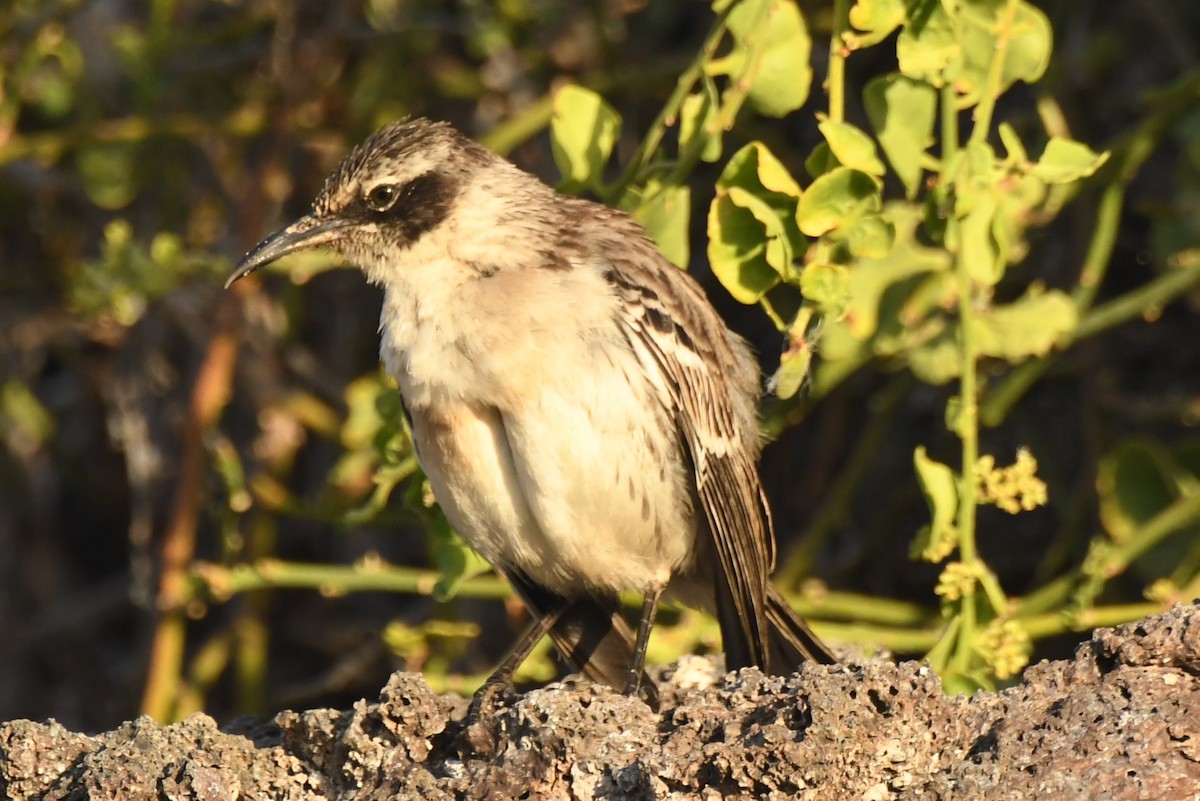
{"x": 307, "y": 232}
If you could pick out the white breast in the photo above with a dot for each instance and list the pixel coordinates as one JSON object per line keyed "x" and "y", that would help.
{"x": 544, "y": 443}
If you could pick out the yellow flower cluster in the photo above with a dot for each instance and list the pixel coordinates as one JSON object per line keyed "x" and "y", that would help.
{"x": 1007, "y": 646}
{"x": 1011, "y": 488}
{"x": 957, "y": 578}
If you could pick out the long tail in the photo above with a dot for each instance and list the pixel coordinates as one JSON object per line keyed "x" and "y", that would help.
{"x": 791, "y": 640}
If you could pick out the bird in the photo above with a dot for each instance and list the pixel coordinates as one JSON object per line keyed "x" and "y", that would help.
{"x": 584, "y": 417}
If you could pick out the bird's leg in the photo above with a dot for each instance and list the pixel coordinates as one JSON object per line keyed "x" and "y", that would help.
{"x": 649, "y": 609}
{"x": 502, "y": 678}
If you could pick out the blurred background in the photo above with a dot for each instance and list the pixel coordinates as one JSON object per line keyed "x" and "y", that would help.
{"x": 150, "y": 419}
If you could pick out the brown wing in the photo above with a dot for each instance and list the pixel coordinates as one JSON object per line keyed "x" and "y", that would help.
{"x": 684, "y": 346}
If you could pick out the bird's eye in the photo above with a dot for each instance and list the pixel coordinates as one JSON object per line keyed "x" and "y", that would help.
{"x": 382, "y": 197}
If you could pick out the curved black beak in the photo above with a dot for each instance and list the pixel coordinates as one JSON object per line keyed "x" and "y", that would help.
{"x": 307, "y": 232}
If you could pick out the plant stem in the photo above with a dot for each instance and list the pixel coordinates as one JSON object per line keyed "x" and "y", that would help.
{"x": 670, "y": 110}
{"x": 1054, "y": 623}
{"x": 835, "y": 82}
{"x": 992, "y": 89}
{"x": 1139, "y": 302}
{"x": 769, "y": 309}
{"x": 997, "y": 404}
{"x": 505, "y": 137}
{"x": 871, "y": 609}
{"x": 1127, "y": 160}
{"x": 967, "y": 425}
{"x": 1180, "y": 514}
{"x": 906, "y": 641}
{"x": 208, "y": 397}
{"x": 222, "y": 582}
{"x": 949, "y": 121}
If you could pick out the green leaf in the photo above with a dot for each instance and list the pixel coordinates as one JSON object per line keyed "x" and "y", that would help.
{"x": 940, "y": 654}
{"x": 794, "y": 368}
{"x": 820, "y": 161}
{"x": 457, "y": 561}
{"x": 828, "y": 286}
{"x": 752, "y": 231}
{"x": 583, "y": 130}
{"x": 954, "y": 418}
{"x": 777, "y": 247}
{"x": 696, "y": 116}
{"x": 868, "y": 237}
{"x": 773, "y": 40}
{"x": 26, "y": 424}
{"x": 1029, "y": 326}
{"x": 835, "y": 199}
{"x": 880, "y": 287}
{"x": 795, "y": 365}
{"x": 1025, "y": 58}
{"x": 109, "y": 172}
{"x": 956, "y": 682}
{"x": 877, "y": 19}
{"x": 1135, "y": 482}
{"x": 851, "y": 147}
{"x": 755, "y": 166}
{"x": 939, "y": 485}
{"x": 937, "y": 359}
{"x": 902, "y": 112}
{"x": 737, "y": 250}
{"x": 1029, "y": 46}
{"x": 128, "y": 274}
{"x": 664, "y": 213}
{"x": 929, "y": 43}
{"x": 1064, "y": 161}
{"x": 978, "y": 246}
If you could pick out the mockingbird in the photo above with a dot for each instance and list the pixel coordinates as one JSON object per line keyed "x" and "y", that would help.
{"x": 585, "y": 419}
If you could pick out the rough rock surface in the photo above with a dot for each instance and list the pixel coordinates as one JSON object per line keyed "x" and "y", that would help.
{"x": 1121, "y": 720}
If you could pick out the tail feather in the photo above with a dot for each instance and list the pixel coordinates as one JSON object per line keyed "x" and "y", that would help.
{"x": 792, "y": 641}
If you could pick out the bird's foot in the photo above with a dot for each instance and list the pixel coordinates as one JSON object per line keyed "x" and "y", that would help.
{"x": 481, "y": 727}
{"x": 496, "y": 692}
{"x": 638, "y": 685}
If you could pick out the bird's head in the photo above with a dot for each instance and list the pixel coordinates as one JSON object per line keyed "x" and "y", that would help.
{"x": 397, "y": 186}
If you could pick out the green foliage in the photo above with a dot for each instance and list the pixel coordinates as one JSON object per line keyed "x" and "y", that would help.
{"x": 753, "y": 238}
{"x": 913, "y": 279}
{"x": 1136, "y": 482}
{"x": 25, "y": 424}
{"x": 128, "y": 275}
{"x": 664, "y": 211}
{"x": 770, "y": 53}
{"x": 890, "y": 246}
{"x": 583, "y": 131}
{"x": 902, "y": 111}
{"x": 937, "y": 540}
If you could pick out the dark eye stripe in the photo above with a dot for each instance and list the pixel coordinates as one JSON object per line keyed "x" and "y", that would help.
{"x": 413, "y": 208}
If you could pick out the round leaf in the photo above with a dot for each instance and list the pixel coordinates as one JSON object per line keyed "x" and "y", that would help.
{"x": 583, "y": 130}
{"x": 902, "y": 111}
{"x": 737, "y": 250}
{"x": 776, "y": 51}
{"x": 664, "y": 214}
{"x": 1029, "y": 326}
{"x": 851, "y": 147}
{"x": 1064, "y": 161}
{"x": 835, "y": 199}
{"x": 828, "y": 286}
